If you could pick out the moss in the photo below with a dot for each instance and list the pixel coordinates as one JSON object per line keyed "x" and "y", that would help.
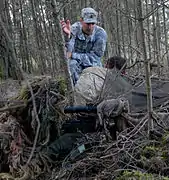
{"x": 165, "y": 138}
{"x": 137, "y": 175}
{"x": 144, "y": 161}
{"x": 150, "y": 151}
{"x": 23, "y": 93}
{"x": 62, "y": 85}
{"x": 152, "y": 159}
{"x": 165, "y": 155}
{"x": 1, "y": 72}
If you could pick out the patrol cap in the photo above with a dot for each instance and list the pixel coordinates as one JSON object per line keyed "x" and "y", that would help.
{"x": 89, "y": 15}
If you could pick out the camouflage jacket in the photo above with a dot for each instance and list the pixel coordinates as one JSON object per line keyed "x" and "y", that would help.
{"x": 87, "y": 50}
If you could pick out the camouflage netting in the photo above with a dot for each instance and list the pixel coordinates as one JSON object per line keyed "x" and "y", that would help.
{"x": 136, "y": 154}
{"x": 28, "y": 123}
{"x": 134, "y": 89}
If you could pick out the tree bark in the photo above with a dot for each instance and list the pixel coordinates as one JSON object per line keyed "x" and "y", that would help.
{"x": 147, "y": 67}
{"x": 9, "y": 56}
{"x": 62, "y": 50}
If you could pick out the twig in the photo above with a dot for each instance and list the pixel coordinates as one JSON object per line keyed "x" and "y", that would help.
{"x": 12, "y": 107}
{"x": 38, "y": 127}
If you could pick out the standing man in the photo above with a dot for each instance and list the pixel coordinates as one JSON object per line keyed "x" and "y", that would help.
{"x": 86, "y": 42}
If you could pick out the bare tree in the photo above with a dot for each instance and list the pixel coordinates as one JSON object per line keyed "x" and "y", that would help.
{"x": 9, "y": 65}
{"x": 146, "y": 64}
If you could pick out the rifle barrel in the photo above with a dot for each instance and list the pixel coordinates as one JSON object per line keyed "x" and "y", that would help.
{"x": 78, "y": 109}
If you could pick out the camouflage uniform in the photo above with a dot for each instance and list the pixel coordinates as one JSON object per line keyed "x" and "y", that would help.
{"x": 86, "y": 50}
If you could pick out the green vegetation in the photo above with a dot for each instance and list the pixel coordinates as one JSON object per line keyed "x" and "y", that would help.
{"x": 137, "y": 175}
{"x": 62, "y": 86}
{"x": 150, "y": 151}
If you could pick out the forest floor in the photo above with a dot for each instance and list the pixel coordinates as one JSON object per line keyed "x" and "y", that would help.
{"x": 28, "y": 123}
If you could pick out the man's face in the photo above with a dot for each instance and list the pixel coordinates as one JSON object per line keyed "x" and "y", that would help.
{"x": 87, "y": 27}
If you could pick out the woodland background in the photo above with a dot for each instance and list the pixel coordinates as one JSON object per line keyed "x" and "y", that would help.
{"x": 31, "y": 40}
{"x": 32, "y": 44}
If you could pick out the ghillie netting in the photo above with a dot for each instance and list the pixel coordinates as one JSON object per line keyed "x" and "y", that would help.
{"x": 28, "y": 123}
{"x": 138, "y": 153}
{"x": 134, "y": 89}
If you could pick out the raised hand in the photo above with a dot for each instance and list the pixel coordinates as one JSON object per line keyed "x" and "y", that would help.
{"x": 66, "y": 27}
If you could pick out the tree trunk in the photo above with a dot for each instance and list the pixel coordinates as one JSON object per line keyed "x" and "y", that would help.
{"x": 62, "y": 51}
{"x": 8, "y": 55}
{"x": 147, "y": 66}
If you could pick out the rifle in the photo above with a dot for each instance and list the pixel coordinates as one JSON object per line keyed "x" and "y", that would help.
{"x": 87, "y": 123}
{"x": 80, "y": 109}
{"x": 84, "y": 122}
